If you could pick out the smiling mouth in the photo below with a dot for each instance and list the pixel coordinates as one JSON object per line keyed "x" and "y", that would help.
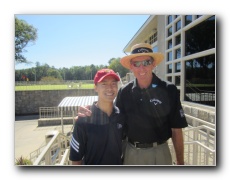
{"x": 142, "y": 74}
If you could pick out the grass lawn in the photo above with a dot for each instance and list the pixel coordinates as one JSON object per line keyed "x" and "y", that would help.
{"x": 53, "y": 87}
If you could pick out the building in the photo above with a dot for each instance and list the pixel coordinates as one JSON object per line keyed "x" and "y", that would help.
{"x": 188, "y": 43}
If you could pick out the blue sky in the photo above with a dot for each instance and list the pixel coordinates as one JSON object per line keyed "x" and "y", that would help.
{"x": 79, "y": 40}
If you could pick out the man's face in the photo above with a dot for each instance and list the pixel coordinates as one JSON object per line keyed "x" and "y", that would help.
{"x": 140, "y": 71}
{"x": 107, "y": 89}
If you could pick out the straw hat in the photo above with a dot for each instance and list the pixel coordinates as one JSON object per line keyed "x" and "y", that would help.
{"x": 142, "y": 49}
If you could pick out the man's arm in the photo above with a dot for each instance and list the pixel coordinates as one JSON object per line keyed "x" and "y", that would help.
{"x": 83, "y": 111}
{"x": 178, "y": 143}
{"x": 77, "y": 162}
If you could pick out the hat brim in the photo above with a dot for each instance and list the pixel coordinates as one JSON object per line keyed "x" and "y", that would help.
{"x": 113, "y": 75}
{"x": 125, "y": 61}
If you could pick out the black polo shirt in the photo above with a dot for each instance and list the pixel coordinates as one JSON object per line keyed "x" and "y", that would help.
{"x": 98, "y": 138}
{"x": 152, "y": 112}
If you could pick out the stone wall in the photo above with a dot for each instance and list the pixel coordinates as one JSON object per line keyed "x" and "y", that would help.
{"x": 206, "y": 113}
{"x": 28, "y": 102}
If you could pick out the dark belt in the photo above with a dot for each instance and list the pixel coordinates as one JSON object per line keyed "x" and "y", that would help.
{"x": 145, "y": 145}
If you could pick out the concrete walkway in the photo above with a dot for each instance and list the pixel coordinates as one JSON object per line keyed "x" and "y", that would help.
{"x": 28, "y": 137}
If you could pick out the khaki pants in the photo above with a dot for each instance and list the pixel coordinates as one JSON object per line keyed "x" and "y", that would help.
{"x": 159, "y": 155}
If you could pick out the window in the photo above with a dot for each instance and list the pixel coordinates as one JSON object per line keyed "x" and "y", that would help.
{"x": 178, "y": 25}
{"x": 200, "y": 75}
{"x": 177, "y": 80}
{"x": 170, "y": 44}
{"x": 170, "y": 56}
{"x": 188, "y": 19}
{"x": 169, "y": 19}
{"x": 177, "y": 39}
{"x": 170, "y": 31}
{"x": 169, "y": 68}
{"x": 177, "y": 53}
{"x": 155, "y": 37}
{"x": 169, "y": 78}
{"x": 200, "y": 37}
{"x": 178, "y": 67}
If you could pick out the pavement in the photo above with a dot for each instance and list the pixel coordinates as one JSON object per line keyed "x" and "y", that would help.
{"x": 28, "y": 137}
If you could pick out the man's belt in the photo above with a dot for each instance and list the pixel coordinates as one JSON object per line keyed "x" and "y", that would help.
{"x": 145, "y": 145}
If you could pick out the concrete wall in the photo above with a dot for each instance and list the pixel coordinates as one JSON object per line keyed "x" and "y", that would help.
{"x": 28, "y": 102}
{"x": 206, "y": 113}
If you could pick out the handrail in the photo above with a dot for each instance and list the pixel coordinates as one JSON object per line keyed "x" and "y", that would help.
{"x": 47, "y": 149}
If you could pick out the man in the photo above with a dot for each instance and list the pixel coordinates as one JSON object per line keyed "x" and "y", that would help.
{"x": 97, "y": 139}
{"x": 153, "y": 111}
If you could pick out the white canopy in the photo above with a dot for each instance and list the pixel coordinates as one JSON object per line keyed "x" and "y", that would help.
{"x": 71, "y": 103}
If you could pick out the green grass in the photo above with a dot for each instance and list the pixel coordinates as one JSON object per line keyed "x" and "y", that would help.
{"x": 52, "y": 87}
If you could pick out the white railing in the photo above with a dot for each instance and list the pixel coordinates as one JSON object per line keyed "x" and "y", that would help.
{"x": 54, "y": 113}
{"x": 54, "y": 151}
{"x": 199, "y": 146}
{"x": 199, "y": 143}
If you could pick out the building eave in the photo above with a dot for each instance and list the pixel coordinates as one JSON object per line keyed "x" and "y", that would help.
{"x": 142, "y": 34}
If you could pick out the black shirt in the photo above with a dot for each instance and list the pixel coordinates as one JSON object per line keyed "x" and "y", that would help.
{"x": 152, "y": 112}
{"x": 98, "y": 138}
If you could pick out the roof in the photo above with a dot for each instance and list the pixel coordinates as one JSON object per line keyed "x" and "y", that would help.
{"x": 71, "y": 103}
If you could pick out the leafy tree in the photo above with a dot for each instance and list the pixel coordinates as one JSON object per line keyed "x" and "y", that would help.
{"x": 115, "y": 65}
{"x": 24, "y": 34}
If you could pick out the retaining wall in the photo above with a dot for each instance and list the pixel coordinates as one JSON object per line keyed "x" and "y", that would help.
{"x": 28, "y": 102}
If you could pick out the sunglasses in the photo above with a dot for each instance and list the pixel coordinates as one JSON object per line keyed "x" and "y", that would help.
{"x": 144, "y": 63}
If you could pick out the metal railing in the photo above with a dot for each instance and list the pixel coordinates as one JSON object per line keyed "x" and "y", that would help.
{"x": 54, "y": 113}
{"x": 55, "y": 152}
{"x": 199, "y": 146}
{"x": 199, "y": 143}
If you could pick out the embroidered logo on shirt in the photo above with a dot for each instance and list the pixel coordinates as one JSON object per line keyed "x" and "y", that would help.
{"x": 154, "y": 85}
{"x": 74, "y": 144}
{"x": 119, "y": 126}
{"x": 155, "y": 101}
{"x": 182, "y": 113}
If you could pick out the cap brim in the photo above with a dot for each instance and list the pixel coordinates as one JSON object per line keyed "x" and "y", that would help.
{"x": 125, "y": 61}
{"x": 113, "y": 75}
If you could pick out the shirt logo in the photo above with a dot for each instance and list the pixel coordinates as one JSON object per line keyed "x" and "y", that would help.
{"x": 119, "y": 126}
{"x": 154, "y": 85}
{"x": 155, "y": 101}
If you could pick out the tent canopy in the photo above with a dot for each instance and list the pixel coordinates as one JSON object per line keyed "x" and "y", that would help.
{"x": 71, "y": 103}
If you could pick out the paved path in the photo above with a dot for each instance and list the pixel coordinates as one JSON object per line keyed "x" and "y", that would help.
{"x": 29, "y": 137}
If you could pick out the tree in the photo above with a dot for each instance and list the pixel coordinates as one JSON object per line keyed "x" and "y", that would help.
{"x": 24, "y": 34}
{"x": 117, "y": 67}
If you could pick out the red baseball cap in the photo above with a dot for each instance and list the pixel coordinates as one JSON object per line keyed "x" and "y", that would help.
{"x": 101, "y": 74}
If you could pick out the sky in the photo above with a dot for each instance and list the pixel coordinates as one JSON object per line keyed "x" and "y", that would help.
{"x": 79, "y": 40}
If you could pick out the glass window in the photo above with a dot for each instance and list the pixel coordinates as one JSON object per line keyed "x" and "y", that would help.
{"x": 178, "y": 67}
{"x": 178, "y": 39}
{"x": 169, "y": 68}
{"x": 178, "y": 25}
{"x": 188, "y": 19}
{"x": 197, "y": 16}
{"x": 177, "y": 53}
{"x": 155, "y": 37}
{"x": 200, "y": 80}
{"x": 200, "y": 37}
{"x": 170, "y": 31}
{"x": 169, "y": 78}
{"x": 176, "y": 16}
{"x": 170, "y": 44}
{"x": 170, "y": 56}
{"x": 169, "y": 19}
{"x": 177, "y": 80}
